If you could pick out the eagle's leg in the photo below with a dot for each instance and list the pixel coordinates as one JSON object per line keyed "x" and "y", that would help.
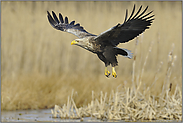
{"x": 107, "y": 63}
{"x": 107, "y": 73}
{"x": 114, "y": 72}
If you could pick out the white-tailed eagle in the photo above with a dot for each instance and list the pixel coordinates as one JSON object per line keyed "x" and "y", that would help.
{"x": 105, "y": 44}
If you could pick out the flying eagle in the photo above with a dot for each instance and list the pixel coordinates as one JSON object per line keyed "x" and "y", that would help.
{"x": 105, "y": 44}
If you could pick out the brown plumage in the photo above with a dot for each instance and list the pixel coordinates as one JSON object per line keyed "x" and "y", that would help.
{"x": 105, "y": 44}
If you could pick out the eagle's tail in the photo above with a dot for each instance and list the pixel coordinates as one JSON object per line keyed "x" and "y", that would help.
{"x": 123, "y": 52}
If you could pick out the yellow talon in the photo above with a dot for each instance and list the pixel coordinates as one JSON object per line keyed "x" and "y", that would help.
{"x": 114, "y": 72}
{"x": 107, "y": 73}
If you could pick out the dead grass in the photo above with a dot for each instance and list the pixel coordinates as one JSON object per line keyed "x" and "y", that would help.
{"x": 128, "y": 105}
{"x": 40, "y": 68}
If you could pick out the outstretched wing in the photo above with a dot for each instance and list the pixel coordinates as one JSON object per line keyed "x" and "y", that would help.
{"x": 65, "y": 26}
{"x": 131, "y": 28}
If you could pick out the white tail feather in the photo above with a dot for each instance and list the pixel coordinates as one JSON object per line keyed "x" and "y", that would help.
{"x": 130, "y": 55}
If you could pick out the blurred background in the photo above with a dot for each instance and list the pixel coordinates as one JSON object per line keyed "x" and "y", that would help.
{"x": 40, "y": 68}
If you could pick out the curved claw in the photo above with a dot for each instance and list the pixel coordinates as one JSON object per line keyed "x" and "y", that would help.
{"x": 114, "y": 72}
{"x": 107, "y": 73}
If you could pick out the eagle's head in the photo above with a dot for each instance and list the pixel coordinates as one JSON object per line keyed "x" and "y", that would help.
{"x": 84, "y": 43}
{"x": 79, "y": 42}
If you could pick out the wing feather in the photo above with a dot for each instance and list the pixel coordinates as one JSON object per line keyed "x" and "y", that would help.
{"x": 147, "y": 14}
{"x": 66, "y": 20}
{"x": 143, "y": 12}
{"x": 55, "y": 17}
{"x": 132, "y": 13}
{"x": 60, "y": 17}
{"x": 137, "y": 12}
{"x": 126, "y": 15}
{"x": 131, "y": 28}
{"x": 72, "y": 23}
{"x": 62, "y": 25}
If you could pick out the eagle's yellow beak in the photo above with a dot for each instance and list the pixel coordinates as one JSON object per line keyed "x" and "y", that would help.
{"x": 74, "y": 42}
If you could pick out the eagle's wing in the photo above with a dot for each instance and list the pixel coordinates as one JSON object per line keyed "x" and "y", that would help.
{"x": 131, "y": 28}
{"x": 62, "y": 25}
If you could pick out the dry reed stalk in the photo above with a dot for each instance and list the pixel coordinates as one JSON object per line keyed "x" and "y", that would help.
{"x": 155, "y": 76}
{"x": 134, "y": 59}
{"x": 171, "y": 60}
{"x": 145, "y": 61}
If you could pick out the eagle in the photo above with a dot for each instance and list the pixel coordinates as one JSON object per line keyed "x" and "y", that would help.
{"x": 105, "y": 44}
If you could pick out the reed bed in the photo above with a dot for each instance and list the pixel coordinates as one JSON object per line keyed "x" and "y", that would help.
{"x": 128, "y": 105}
{"x": 40, "y": 68}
